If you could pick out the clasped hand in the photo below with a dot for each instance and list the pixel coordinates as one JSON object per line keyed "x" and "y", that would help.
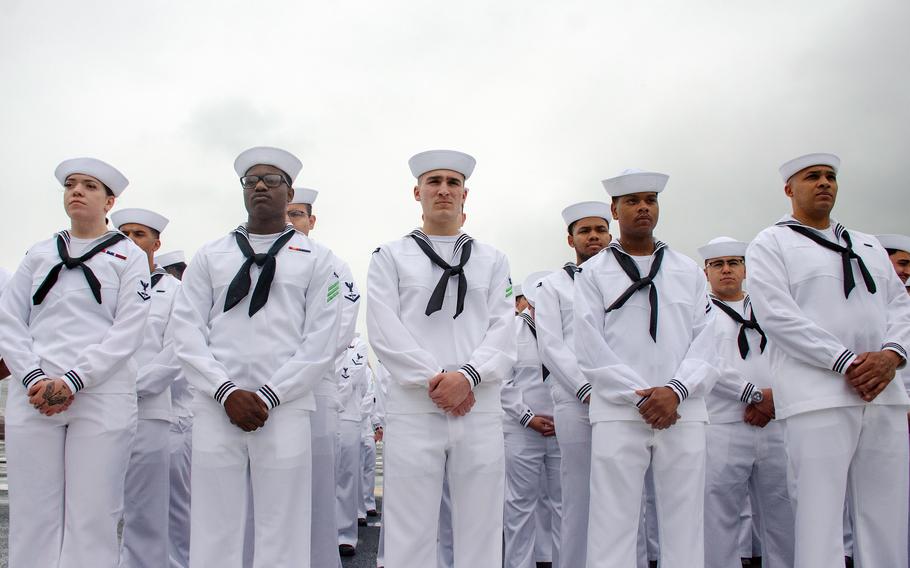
{"x": 50, "y": 396}
{"x": 452, "y": 393}
{"x": 246, "y": 410}
{"x": 871, "y": 372}
{"x": 659, "y": 410}
{"x": 543, "y": 425}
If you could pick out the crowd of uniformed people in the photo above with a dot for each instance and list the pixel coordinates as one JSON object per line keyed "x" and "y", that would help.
{"x": 632, "y": 408}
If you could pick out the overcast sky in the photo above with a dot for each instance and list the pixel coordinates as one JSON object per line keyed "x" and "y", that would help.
{"x": 550, "y": 97}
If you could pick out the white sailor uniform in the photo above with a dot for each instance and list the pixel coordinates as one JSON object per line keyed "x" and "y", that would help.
{"x": 382, "y": 390}
{"x": 66, "y": 472}
{"x": 820, "y": 308}
{"x": 553, "y": 316}
{"x": 532, "y": 460}
{"x": 181, "y": 448}
{"x": 422, "y": 444}
{"x": 627, "y": 346}
{"x": 145, "y": 509}
{"x": 368, "y": 426}
{"x": 324, "y": 528}
{"x": 351, "y": 389}
{"x": 279, "y": 341}
{"x": 743, "y": 459}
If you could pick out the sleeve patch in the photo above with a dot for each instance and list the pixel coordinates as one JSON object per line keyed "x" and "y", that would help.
{"x": 332, "y": 292}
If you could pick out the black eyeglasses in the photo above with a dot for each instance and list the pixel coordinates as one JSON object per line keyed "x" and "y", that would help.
{"x": 732, "y": 263}
{"x": 271, "y": 181}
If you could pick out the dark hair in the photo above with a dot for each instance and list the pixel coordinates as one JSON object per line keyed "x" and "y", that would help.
{"x": 107, "y": 190}
{"x": 309, "y": 209}
{"x": 155, "y": 232}
{"x": 892, "y": 251}
{"x": 176, "y": 269}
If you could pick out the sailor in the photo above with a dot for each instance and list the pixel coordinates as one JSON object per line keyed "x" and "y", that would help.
{"x": 588, "y": 229}
{"x": 352, "y": 386}
{"x": 173, "y": 262}
{"x": 255, "y": 325}
{"x": 521, "y": 303}
{"x": 369, "y": 428}
{"x": 70, "y": 320}
{"x": 898, "y": 248}
{"x": 180, "y": 443}
{"x": 440, "y": 316}
{"x": 381, "y": 376}
{"x": 645, "y": 343}
{"x": 325, "y": 545}
{"x": 531, "y": 448}
{"x": 838, "y": 325}
{"x": 144, "y": 540}
{"x": 746, "y": 452}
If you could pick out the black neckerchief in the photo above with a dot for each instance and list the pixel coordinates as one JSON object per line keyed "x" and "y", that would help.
{"x": 571, "y": 269}
{"x": 629, "y": 266}
{"x": 533, "y": 327}
{"x": 157, "y": 275}
{"x": 436, "y": 298}
{"x": 240, "y": 285}
{"x": 70, "y": 263}
{"x": 744, "y": 324}
{"x": 846, "y": 254}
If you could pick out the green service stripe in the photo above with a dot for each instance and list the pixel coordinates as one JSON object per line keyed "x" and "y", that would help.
{"x": 333, "y": 287}
{"x": 332, "y": 296}
{"x": 508, "y": 291}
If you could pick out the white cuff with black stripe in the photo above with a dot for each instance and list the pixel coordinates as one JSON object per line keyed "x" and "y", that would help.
{"x": 680, "y": 389}
{"x": 471, "y": 374}
{"x": 527, "y": 417}
{"x": 222, "y": 392}
{"x": 268, "y": 396}
{"x": 842, "y": 363}
{"x": 583, "y": 392}
{"x": 899, "y": 349}
{"x": 33, "y": 377}
{"x": 747, "y": 393}
{"x": 73, "y": 381}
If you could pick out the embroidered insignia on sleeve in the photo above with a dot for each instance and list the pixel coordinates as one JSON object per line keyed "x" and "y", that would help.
{"x": 353, "y": 297}
{"x": 332, "y": 292}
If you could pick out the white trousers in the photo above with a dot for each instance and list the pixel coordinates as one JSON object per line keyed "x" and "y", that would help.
{"x": 648, "y": 547}
{"x": 324, "y": 528}
{"x": 742, "y": 460}
{"x": 144, "y": 541}
{"x": 380, "y": 548}
{"x": 865, "y": 448}
{"x": 621, "y": 453}
{"x": 445, "y": 548}
{"x": 573, "y": 429}
{"x": 275, "y": 463}
{"x": 66, "y": 476}
{"x": 368, "y": 475}
{"x": 544, "y": 541}
{"x": 529, "y": 456}
{"x": 420, "y": 450}
{"x": 181, "y": 436}
{"x": 347, "y": 481}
